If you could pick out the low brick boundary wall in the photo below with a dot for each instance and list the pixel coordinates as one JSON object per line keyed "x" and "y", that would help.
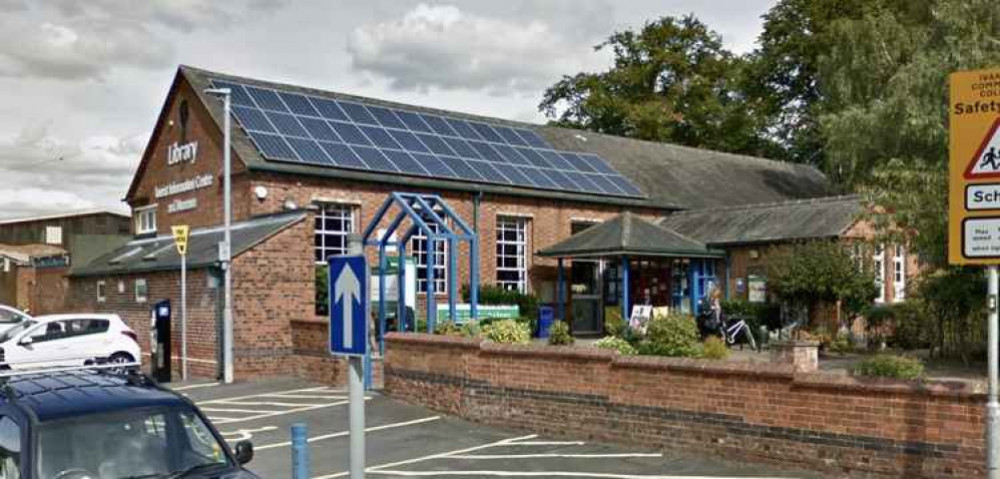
{"x": 758, "y": 412}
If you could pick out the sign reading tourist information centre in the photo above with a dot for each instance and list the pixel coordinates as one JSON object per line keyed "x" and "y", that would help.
{"x": 974, "y": 168}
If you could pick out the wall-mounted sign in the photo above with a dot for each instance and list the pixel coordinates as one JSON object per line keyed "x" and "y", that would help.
{"x": 177, "y": 153}
{"x": 183, "y": 186}
{"x": 177, "y": 206}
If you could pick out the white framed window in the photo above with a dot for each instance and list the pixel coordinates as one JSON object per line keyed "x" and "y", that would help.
{"x": 512, "y": 253}
{"x": 121, "y": 287}
{"x": 145, "y": 220}
{"x": 899, "y": 273}
{"x": 418, "y": 249}
{"x": 102, "y": 294}
{"x": 332, "y": 225}
{"x": 879, "y": 265}
{"x": 53, "y": 235}
{"x": 141, "y": 291}
{"x": 6, "y": 264}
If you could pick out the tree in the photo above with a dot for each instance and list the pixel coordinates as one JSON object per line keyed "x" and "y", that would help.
{"x": 821, "y": 271}
{"x": 671, "y": 81}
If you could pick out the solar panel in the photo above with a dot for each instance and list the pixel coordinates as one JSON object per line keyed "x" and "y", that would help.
{"x": 291, "y": 126}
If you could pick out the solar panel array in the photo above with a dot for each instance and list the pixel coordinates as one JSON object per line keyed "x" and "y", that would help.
{"x": 291, "y": 127}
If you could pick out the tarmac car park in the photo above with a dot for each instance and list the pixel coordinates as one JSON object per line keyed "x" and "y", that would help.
{"x": 409, "y": 441}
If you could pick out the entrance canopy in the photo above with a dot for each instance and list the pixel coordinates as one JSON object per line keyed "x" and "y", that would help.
{"x": 625, "y": 238}
{"x": 628, "y": 234}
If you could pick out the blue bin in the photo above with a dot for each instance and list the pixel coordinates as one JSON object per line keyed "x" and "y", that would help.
{"x": 546, "y": 316}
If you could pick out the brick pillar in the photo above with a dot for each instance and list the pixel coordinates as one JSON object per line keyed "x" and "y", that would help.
{"x": 802, "y": 355}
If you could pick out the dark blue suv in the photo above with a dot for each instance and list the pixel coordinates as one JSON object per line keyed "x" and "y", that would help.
{"x": 94, "y": 424}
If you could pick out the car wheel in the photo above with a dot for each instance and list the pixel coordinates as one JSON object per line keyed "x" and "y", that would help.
{"x": 120, "y": 358}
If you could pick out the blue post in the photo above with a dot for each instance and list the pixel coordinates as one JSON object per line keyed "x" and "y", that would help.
{"x": 474, "y": 277}
{"x": 695, "y": 280}
{"x": 431, "y": 282}
{"x": 383, "y": 270}
{"x": 452, "y": 279}
{"x": 300, "y": 451}
{"x": 401, "y": 289}
{"x": 368, "y": 371}
{"x": 625, "y": 281}
{"x": 561, "y": 291}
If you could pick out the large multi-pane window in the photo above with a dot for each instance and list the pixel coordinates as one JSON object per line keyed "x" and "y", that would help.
{"x": 333, "y": 223}
{"x": 145, "y": 220}
{"x": 418, "y": 248}
{"x": 512, "y": 253}
{"x": 899, "y": 273}
{"x": 879, "y": 265}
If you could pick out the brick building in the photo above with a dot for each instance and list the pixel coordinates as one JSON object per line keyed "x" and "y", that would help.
{"x": 311, "y": 166}
{"x": 36, "y": 253}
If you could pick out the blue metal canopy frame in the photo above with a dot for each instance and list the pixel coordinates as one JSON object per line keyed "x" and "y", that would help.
{"x": 430, "y": 215}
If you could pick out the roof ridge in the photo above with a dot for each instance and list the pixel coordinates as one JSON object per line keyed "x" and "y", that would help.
{"x": 68, "y": 214}
{"x": 772, "y": 204}
{"x": 351, "y": 96}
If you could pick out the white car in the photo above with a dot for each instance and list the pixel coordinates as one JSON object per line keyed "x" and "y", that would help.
{"x": 10, "y": 317}
{"x": 68, "y": 340}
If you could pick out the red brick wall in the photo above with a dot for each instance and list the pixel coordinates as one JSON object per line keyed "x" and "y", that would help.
{"x": 835, "y": 424}
{"x": 201, "y": 309}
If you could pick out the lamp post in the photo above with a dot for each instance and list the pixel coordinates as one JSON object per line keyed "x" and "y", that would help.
{"x": 225, "y": 248}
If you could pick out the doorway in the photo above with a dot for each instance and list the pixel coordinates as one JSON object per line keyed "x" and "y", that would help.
{"x": 585, "y": 286}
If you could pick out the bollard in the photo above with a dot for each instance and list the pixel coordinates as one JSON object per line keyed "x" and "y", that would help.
{"x": 300, "y": 451}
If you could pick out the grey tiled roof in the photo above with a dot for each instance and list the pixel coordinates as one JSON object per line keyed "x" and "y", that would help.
{"x": 159, "y": 253}
{"x": 673, "y": 177}
{"x": 772, "y": 222}
{"x": 627, "y": 234}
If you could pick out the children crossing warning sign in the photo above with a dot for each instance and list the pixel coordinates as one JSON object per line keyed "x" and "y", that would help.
{"x": 986, "y": 162}
{"x": 974, "y": 168}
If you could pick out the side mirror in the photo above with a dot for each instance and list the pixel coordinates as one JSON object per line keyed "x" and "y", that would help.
{"x": 26, "y": 341}
{"x": 244, "y": 452}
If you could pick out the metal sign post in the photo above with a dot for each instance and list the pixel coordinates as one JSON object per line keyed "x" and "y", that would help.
{"x": 181, "y": 233}
{"x": 974, "y": 209}
{"x": 349, "y": 318}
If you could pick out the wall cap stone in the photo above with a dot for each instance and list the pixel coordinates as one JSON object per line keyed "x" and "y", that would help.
{"x": 840, "y": 381}
{"x": 432, "y": 340}
{"x": 708, "y": 366}
{"x": 546, "y": 351}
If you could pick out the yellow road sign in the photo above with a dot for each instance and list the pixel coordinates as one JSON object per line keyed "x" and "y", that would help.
{"x": 974, "y": 168}
{"x": 181, "y": 238}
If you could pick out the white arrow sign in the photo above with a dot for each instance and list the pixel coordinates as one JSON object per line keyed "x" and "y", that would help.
{"x": 348, "y": 289}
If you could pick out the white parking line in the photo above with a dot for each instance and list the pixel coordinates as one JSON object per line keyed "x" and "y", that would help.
{"x": 373, "y": 469}
{"x": 271, "y": 403}
{"x": 282, "y": 413}
{"x": 335, "y": 395}
{"x": 245, "y": 434}
{"x": 546, "y": 443}
{"x": 598, "y": 475}
{"x": 569, "y": 456}
{"x": 267, "y": 394}
{"x": 346, "y": 433}
{"x": 194, "y": 386}
{"x": 245, "y": 411}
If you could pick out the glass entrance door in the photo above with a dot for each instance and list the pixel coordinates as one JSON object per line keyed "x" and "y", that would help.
{"x": 586, "y": 302}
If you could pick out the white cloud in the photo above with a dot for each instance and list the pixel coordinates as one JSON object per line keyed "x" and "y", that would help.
{"x": 443, "y": 46}
{"x": 71, "y": 40}
{"x": 44, "y": 173}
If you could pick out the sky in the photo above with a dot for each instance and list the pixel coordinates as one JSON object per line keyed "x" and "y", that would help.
{"x": 83, "y": 82}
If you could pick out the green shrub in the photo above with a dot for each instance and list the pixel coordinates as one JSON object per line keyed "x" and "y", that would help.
{"x": 890, "y": 366}
{"x": 911, "y": 326}
{"x": 614, "y": 325}
{"x": 841, "y": 344}
{"x": 559, "y": 334}
{"x": 471, "y": 329}
{"x": 714, "y": 348}
{"x": 322, "y": 290}
{"x": 507, "y": 331}
{"x": 671, "y": 335}
{"x": 489, "y": 294}
{"x": 617, "y": 344}
{"x": 448, "y": 328}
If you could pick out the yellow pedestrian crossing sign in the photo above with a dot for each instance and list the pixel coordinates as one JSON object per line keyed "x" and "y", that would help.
{"x": 181, "y": 233}
{"x": 974, "y": 168}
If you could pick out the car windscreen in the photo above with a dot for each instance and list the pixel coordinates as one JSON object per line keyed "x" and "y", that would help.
{"x": 134, "y": 443}
{"x": 10, "y": 333}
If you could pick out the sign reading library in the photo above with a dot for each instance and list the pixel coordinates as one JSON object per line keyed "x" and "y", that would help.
{"x": 974, "y": 168}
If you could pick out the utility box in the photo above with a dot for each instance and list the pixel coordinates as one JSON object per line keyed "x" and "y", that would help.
{"x": 546, "y": 317}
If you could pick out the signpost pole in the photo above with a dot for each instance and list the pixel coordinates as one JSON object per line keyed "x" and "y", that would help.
{"x": 992, "y": 406}
{"x": 184, "y": 318}
{"x": 356, "y": 395}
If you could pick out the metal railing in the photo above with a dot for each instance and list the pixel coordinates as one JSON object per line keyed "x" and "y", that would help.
{"x": 62, "y": 369}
